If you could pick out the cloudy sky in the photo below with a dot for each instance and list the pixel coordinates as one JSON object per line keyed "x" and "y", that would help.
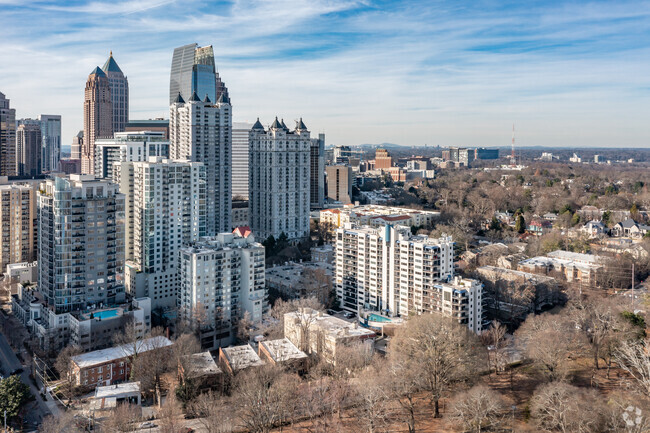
{"x": 370, "y": 71}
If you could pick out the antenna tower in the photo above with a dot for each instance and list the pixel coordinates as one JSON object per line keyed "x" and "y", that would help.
{"x": 513, "y": 158}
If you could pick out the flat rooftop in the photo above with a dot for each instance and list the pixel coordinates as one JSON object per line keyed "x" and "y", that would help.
{"x": 202, "y": 364}
{"x": 240, "y": 357}
{"x": 104, "y": 356}
{"x": 283, "y": 350}
{"x": 117, "y": 390}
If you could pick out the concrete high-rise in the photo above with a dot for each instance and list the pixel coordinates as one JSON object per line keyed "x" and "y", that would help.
{"x": 202, "y": 131}
{"x": 383, "y": 160}
{"x": 193, "y": 71}
{"x": 388, "y": 269}
{"x": 128, "y": 146}
{"x": 222, "y": 278}
{"x": 240, "y": 133}
{"x": 80, "y": 243}
{"x": 77, "y": 144}
{"x": 119, "y": 85}
{"x": 98, "y": 116}
{"x": 28, "y": 148}
{"x": 51, "y": 147}
{"x": 339, "y": 183}
{"x": 165, "y": 209}
{"x": 317, "y": 172}
{"x": 17, "y": 224}
{"x": 7, "y": 138}
{"x": 279, "y": 181}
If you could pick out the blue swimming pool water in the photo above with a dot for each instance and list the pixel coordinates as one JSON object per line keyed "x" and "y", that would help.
{"x": 106, "y": 314}
{"x": 377, "y": 318}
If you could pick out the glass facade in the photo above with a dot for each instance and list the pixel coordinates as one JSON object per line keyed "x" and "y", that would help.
{"x": 193, "y": 70}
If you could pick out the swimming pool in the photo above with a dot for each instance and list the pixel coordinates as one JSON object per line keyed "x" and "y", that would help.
{"x": 105, "y": 314}
{"x": 378, "y": 318}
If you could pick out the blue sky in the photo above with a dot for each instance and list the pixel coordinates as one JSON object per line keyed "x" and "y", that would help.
{"x": 435, "y": 72}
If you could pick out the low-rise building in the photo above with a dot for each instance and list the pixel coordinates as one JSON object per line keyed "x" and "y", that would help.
{"x": 320, "y": 334}
{"x": 284, "y": 352}
{"x": 630, "y": 228}
{"x": 113, "y": 365}
{"x": 594, "y": 229}
{"x": 202, "y": 370}
{"x": 377, "y": 216}
{"x": 236, "y": 358}
{"x": 108, "y": 397}
{"x": 571, "y": 267}
{"x": 322, "y": 254}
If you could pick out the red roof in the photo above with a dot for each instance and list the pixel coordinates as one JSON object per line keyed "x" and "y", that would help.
{"x": 243, "y": 231}
{"x": 395, "y": 218}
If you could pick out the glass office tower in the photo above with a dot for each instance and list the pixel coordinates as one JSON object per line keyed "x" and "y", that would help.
{"x": 193, "y": 70}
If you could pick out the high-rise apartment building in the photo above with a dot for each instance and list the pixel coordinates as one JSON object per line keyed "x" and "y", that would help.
{"x": 317, "y": 172}
{"x": 240, "y": 133}
{"x": 165, "y": 209}
{"x": 339, "y": 183}
{"x": 193, "y": 71}
{"x": 202, "y": 131}
{"x": 222, "y": 278}
{"x": 128, "y": 146}
{"x": 119, "y": 85}
{"x": 28, "y": 148}
{"x": 77, "y": 144}
{"x": 17, "y": 224}
{"x": 80, "y": 243}
{"x": 7, "y": 137}
{"x": 388, "y": 269}
{"x": 51, "y": 146}
{"x": 279, "y": 181}
{"x": 383, "y": 160}
{"x": 154, "y": 125}
{"x": 98, "y": 117}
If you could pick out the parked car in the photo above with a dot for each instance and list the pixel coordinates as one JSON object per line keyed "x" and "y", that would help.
{"x": 17, "y": 371}
{"x": 147, "y": 424}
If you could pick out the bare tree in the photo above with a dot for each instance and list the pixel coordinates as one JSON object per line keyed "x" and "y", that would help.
{"x": 123, "y": 418}
{"x": 558, "y": 406}
{"x": 315, "y": 283}
{"x": 213, "y": 413}
{"x": 478, "y": 409}
{"x": 403, "y": 384}
{"x": 496, "y": 342}
{"x": 628, "y": 412}
{"x": 63, "y": 422}
{"x": 184, "y": 346}
{"x": 150, "y": 364}
{"x": 440, "y": 349}
{"x": 372, "y": 401}
{"x": 65, "y": 367}
{"x": 170, "y": 416}
{"x": 549, "y": 340}
{"x": 632, "y": 356}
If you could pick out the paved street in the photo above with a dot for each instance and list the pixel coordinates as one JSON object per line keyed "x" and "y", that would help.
{"x": 10, "y": 362}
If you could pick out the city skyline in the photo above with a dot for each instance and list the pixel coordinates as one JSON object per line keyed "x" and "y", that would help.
{"x": 362, "y": 72}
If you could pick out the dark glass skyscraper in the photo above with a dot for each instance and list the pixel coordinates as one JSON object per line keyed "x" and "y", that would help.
{"x": 193, "y": 70}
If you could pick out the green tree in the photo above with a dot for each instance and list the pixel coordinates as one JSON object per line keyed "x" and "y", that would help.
{"x": 576, "y": 219}
{"x": 520, "y": 225}
{"x": 606, "y": 218}
{"x": 495, "y": 224}
{"x": 13, "y": 394}
{"x": 269, "y": 244}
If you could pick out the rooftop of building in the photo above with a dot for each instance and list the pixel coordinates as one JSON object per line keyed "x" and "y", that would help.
{"x": 104, "y": 356}
{"x": 332, "y": 326}
{"x": 240, "y": 357}
{"x": 117, "y": 390}
{"x": 522, "y": 274}
{"x": 282, "y": 350}
{"x": 223, "y": 241}
{"x": 202, "y": 364}
{"x": 147, "y": 122}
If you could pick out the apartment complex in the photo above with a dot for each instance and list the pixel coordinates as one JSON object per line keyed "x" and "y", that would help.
{"x": 201, "y": 131}
{"x": 388, "y": 269}
{"x": 119, "y": 85}
{"x": 320, "y": 334}
{"x": 17, "y": 224}
{"x": 98, "y": 117}
{"x": 128, "y": 146}
{"x": 317, "y": 172}
{"x": 461, "y": 299}
{"x": 28, "y": 149}
{"x": 383, "y": 160}
{"x": 339, "y": 183}
{"x": 165, "y": 209}
{"x": 279, "y": 185}
{"x": 568, "y": 266}
{"x": 7, "y": 137}
{"x": 240, "y": 134}
{"x": 377, "y": 216}
{"x": 221, "y": 279}
{"x": 80, "y": 243}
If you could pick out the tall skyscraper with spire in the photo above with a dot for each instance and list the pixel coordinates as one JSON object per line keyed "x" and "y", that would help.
{"x": 193, "y": 71}
{"x": 119, "y": 85}
{"x": 7, "y": 138}
{"x": 98, "y": 116}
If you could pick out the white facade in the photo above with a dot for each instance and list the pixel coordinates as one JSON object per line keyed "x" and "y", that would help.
{"x": 460, "y": 299}
{"x": 165, "y": 209}
{"x": 128, "y": 146}
{"x": 388, "y": 269}
{"x": 240, "y": 133}
{"x": 221, "y": 278}
{"x": 279, "y": 181}
{"x": 202, "y": 131}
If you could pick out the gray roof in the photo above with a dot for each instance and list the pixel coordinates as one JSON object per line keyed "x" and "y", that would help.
{"x": 283, "y": 125}
{"x": 628, "y": 223}
{"x": 258, "y": 125}
{"x": 98, "y": 71}
{"x": 276, "y": 124}
{"x": 195, "y": 97}
{"x": 223, "y": 98}
{"x": 111, "y": 65}
{"x": 179, "y": 99}
{"x": 300, "y": 125}
{"x": 206, "y": 99}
